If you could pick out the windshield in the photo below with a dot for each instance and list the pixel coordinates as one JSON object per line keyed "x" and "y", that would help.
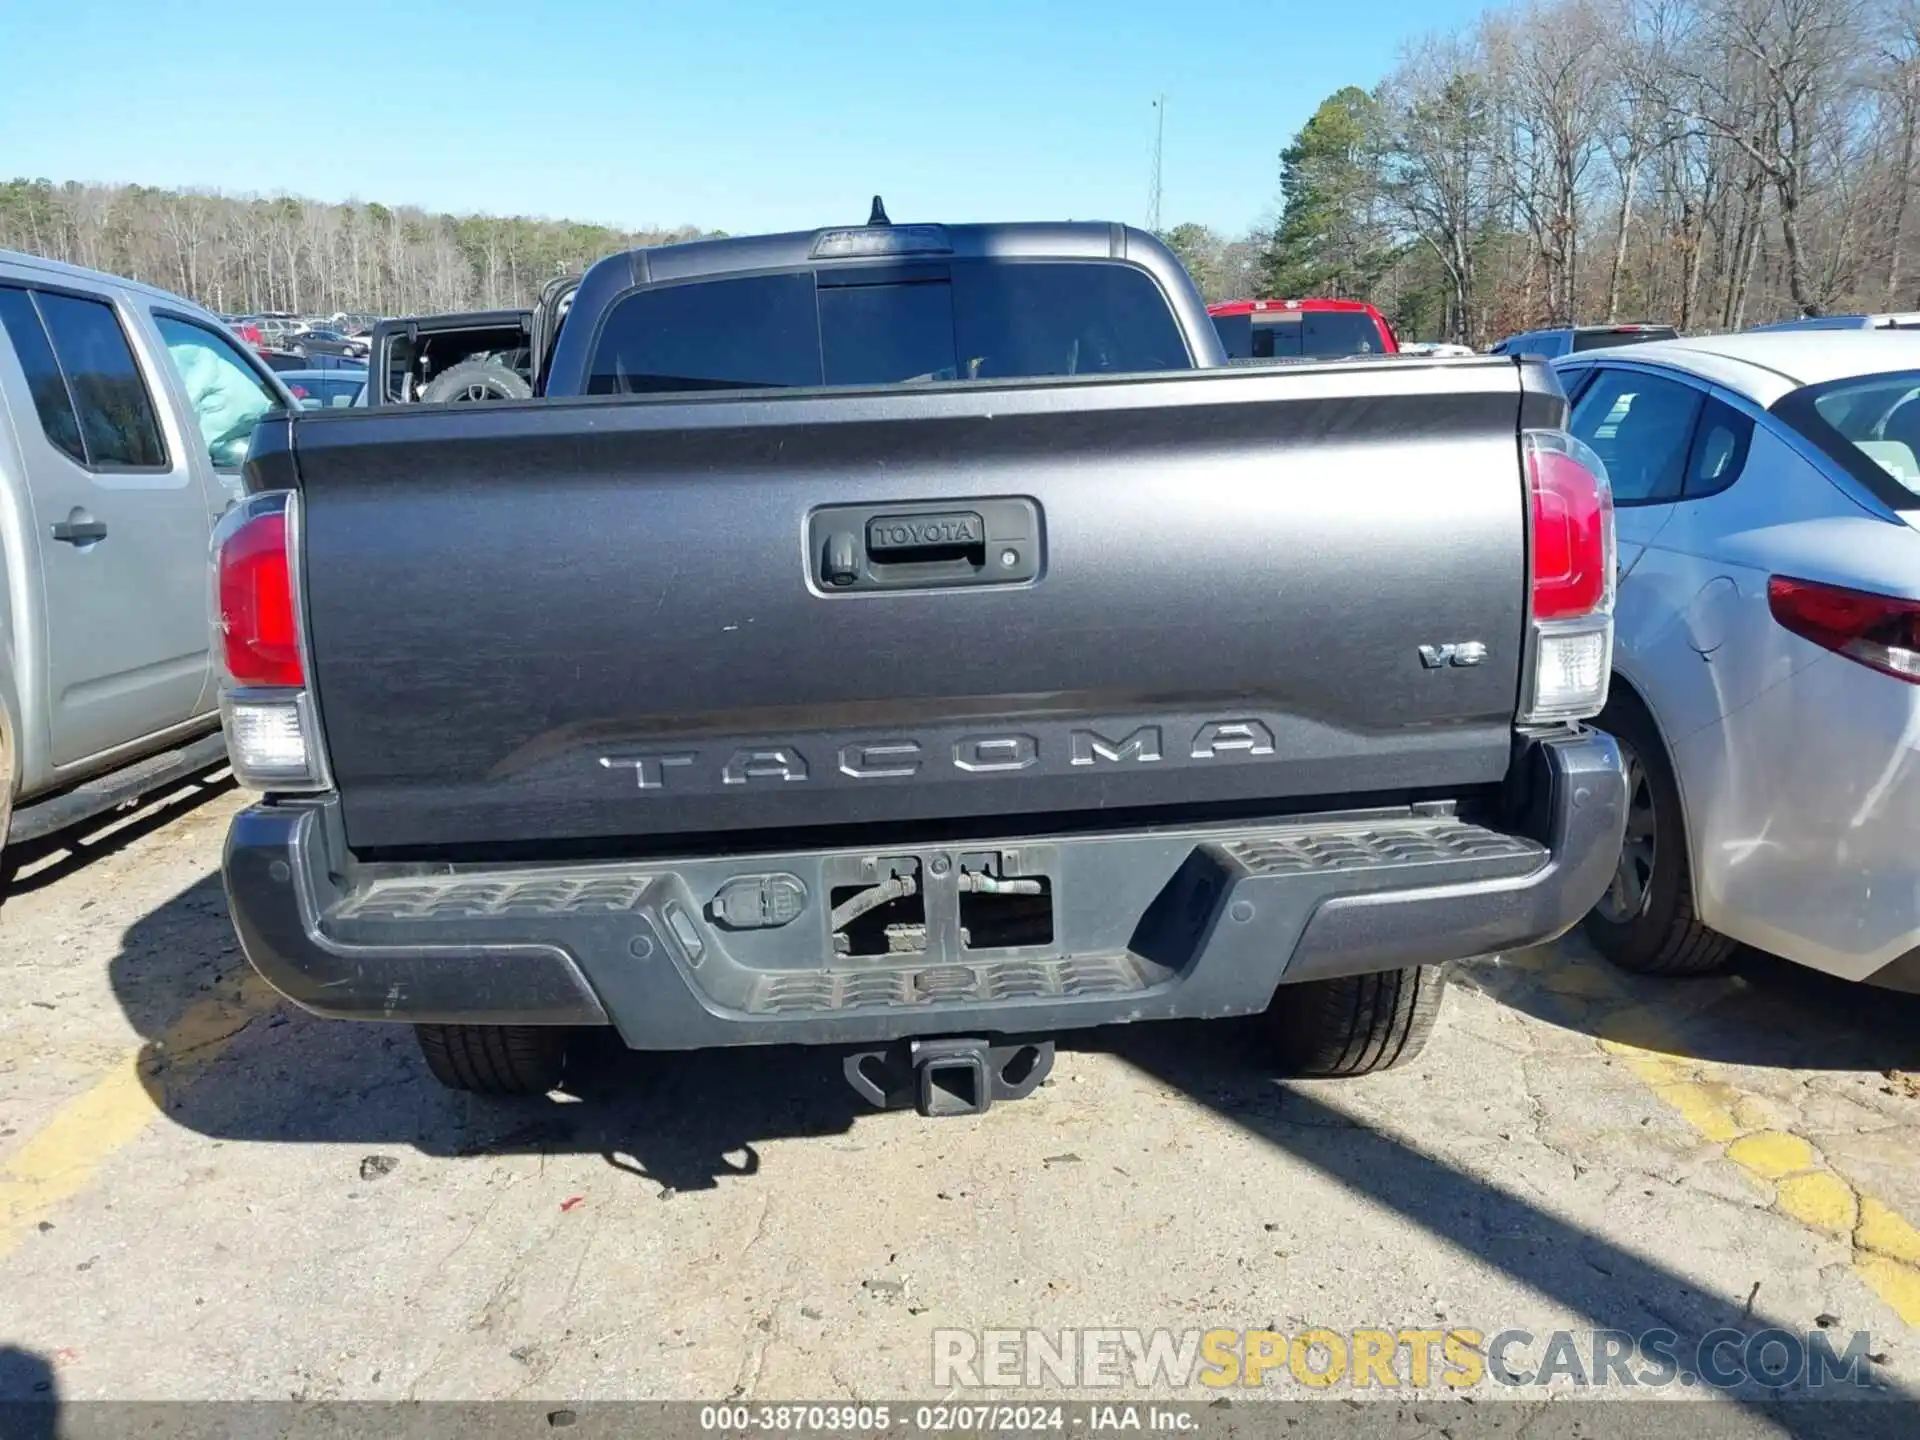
{"x": 888, "y": 325}
{"x": 1871, "y": 425}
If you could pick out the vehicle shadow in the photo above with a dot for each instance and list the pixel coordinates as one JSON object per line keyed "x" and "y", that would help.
{"x": 29, "y": 1395}
{"x": 681, "y": 1123}
{"x": 1760, "y": 1010}
{"x": 1612, "y": 1286}
{"x": 36, "y": 864}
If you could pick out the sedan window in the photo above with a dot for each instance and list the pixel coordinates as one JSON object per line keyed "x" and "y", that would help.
{"x": 1719, "y": 450}
{"x": 1870, "y": 425}
{"x": 1641, "y": 426}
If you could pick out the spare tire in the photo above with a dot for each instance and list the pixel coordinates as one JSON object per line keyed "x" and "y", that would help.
{"x": 473, "y": 380}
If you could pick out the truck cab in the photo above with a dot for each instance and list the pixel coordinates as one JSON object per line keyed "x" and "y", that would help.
{"x": 125, "y": 414}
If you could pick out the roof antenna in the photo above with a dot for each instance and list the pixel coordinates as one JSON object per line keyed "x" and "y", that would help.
{"x": 878, "y": 215}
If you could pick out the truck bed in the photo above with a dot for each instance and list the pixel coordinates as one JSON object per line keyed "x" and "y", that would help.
{"x": 616, "y": 622}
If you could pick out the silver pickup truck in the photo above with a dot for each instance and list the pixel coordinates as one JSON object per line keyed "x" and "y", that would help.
{"x": 124, "y": 417}
{"x": 915, "y": 639}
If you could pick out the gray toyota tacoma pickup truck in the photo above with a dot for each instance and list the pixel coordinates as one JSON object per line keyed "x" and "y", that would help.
{"x": 916, "y": 640}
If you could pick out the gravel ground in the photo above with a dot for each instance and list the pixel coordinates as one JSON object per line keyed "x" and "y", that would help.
{"x": 207, "y": 1194}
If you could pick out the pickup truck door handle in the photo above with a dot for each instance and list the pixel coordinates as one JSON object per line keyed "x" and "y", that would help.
{"x": 79, "y": 528}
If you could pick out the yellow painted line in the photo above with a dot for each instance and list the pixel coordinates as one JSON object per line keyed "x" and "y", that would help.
{"x": 1886, "y": 1247}
{"x": 60, "y": 1159}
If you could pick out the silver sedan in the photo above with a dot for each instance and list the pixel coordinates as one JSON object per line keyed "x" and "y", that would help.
{"x": 1767, "y": 665}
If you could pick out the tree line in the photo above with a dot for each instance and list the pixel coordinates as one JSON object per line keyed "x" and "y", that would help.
{"x": 245, "y": 254}
{"x": 1705, "y": 163}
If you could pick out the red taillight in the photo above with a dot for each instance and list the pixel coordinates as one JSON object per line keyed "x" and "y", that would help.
{"x": 262, "y": 645}
{"x": 1882, "y": 632}
{"x": 1572, "y": 529}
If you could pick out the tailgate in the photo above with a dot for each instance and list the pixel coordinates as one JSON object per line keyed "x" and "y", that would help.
{"x": 614, "y": 620}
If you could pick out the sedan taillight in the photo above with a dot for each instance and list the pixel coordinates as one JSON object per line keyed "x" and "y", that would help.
{"x": 1882, "y": 632}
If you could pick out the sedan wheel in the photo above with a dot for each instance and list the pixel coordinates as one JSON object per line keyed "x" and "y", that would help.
{"x": 1626, "y": 898}
{"x": 1645, "y": 921}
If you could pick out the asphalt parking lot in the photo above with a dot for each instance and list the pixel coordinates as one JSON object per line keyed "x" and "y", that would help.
{"x": 207, "y": 1194}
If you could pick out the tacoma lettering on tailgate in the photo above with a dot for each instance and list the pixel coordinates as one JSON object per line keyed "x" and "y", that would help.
{"x": 896, "y": 758}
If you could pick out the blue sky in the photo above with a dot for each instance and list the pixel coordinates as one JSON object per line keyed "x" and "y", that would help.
{"x": 740, "y": 114}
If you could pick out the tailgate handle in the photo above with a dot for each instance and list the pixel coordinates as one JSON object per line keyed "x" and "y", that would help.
{"x": 955, "y": 539}
{"x": 926, "y": 545}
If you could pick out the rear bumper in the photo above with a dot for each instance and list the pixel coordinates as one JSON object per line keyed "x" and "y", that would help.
{"x": 1146, "y": 925}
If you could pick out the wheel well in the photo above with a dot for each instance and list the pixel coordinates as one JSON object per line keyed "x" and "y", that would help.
{"x": 1622, "y": 688}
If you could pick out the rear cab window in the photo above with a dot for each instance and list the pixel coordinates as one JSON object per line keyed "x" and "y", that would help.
{"x": 1315, "y": 335}
{"x": 1870, "y": 426}
{"x": 888, "y": 325}
{"x": 1623, "y": 335}
{"x": 1540, "y": 344}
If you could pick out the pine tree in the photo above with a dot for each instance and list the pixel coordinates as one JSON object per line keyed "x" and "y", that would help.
{"x": 1328, "y": 241}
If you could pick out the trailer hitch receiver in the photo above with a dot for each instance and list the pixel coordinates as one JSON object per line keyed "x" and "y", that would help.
{"x": 951, "y": 1076}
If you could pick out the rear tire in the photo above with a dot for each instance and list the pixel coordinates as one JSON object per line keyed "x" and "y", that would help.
{"x": 475, "y": 380}
{"x": 1354, "y": 1024}
{"x": 495, "y": 1059}
{"x": 1646, "y": 922}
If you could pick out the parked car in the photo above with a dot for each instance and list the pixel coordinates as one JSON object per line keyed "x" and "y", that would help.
{"x": 288, "y": 361}
{"x": 1253, "y": 330}
{"x": 463, "y": 357}
{"x": 318, "y": 340}
{"x": 1907, "y": 320}
{"x": 1571, "y": 340}
{"x": 1768, "y": 497}
{"x": 355, "y": 365}
{"x": 321, "y": 389}
{"x": 124, "y": 417}
{"x": 275, "y": 329}
{"x": 1437, "y": 350}
{"x": 1062, "y": 713}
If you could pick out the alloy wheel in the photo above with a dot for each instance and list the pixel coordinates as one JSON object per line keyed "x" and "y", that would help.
{"x": 1632, "y": 887}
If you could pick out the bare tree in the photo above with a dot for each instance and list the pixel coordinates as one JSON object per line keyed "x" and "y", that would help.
{"x": 1899, "y": 85}
{"x": 1440, "y": 165}
{"x": 1764, "y": 74}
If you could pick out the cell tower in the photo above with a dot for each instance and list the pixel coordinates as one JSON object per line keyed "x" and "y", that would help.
{"x": 1153, "y": 179}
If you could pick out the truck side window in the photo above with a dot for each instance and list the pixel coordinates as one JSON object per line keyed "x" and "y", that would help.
{"x": 1641, "y": 426}
{"x": 21, "y": 320}
{"x": 117, "y": 419}
{"x": 226, "y": 394}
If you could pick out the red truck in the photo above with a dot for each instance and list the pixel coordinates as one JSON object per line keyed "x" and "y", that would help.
{"x": 1301, "y": 329}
